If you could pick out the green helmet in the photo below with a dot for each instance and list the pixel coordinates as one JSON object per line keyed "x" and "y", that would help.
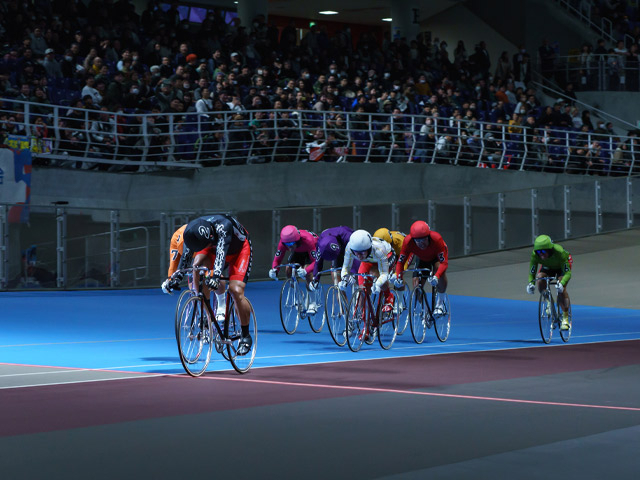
{"x": 543, "y": 242}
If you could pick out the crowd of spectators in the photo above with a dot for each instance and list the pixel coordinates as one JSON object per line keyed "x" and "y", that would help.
{"x": 414, "y": 100}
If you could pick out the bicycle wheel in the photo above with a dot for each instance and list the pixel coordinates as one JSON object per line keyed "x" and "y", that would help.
{"x": 356, "y": 321}
{"x": 233, "y": 333}
{"x": 443, "y": 322}
{"x": 316, "y": 320}
{"x": 546, "y": 316}
{"x": 565, "y": 334}
{"x": 403, "y": 297}
{"x": 388, "y": 325}
{"x": 195, "y": 339}
{"x": 335, "y": 311}
{"x": 182, "y": 299}
{"x": 290, "y": 302}
{"x": 418, "y": 314}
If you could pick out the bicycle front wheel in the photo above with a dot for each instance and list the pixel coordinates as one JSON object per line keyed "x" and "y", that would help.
{"x": 404, "y": 297}
{"x": 316, "y": 320}
{"x": 290, "y": 304}
{"x": 418, "y": 314}
{"x": 565, "y": 334}
{"x": 388, "y": 325}
{"x": 240, "y": 360}
{"x": 442, "y": 322}
{"x": 182, "y": 299}
{"x": 195, "y": 338}
{"x": 335, "y": 310}
{"x": 356, "y": 321}
{"x": 546, "y": 316}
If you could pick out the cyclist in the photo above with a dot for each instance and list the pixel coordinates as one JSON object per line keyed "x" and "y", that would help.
{"x": 555, "y": 261}
{"x": 432, "y": 253}
{"x": 393, "y": 238}
{"x": 302, "y": 245}
{"x": 217, "y": 241}
{"x": 374, "y": 254}
{"x": 175, "y": 253}
{"x": 331, "y": 247}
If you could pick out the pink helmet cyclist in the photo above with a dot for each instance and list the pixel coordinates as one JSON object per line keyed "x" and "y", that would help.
{"x": 289, "y": 235}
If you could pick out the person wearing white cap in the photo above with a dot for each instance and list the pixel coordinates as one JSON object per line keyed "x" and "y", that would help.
{"x": 51, "y": 65}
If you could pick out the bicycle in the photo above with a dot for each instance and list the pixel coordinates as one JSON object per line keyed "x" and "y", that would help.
{"x": 364, "y": 322}
{"x": 197, "y": 331}
{"x": 294, "y": 303}
{"x": 550, "y": 313}
{"x": 421, "y": 309}
{"x": 335, "y": 311}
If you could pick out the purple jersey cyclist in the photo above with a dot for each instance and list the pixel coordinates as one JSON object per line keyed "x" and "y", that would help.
{"x": 331, "y": 245}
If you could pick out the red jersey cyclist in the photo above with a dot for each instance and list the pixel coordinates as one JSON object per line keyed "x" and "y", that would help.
{"x": 375, "y": 255}
{"x": 555, "y": 261}
{"x": 302, "y": 247}
{"x": 215, "y": 242}
{"x": 432, "y": 253}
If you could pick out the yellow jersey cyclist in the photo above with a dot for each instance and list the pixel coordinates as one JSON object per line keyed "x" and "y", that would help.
{"x": 555, "y": 261}
{"x": 393, "y": 238}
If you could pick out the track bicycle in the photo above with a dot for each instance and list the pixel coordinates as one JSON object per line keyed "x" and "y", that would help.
{"x": 335, "y": 310}
{"x": 197, "y": 330}
{"x": 366, "y": 318}
{"x": 550, "y": 312}
{"x": 295, "y": 300}
{"x": 421, "y": 307}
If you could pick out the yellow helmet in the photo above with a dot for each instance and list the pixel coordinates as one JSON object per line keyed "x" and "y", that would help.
{"x": 383, "y": 234}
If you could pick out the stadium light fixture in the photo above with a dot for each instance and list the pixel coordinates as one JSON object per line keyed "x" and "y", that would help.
{"x": 387, "y": 19}
{"x": 328, "y": 12}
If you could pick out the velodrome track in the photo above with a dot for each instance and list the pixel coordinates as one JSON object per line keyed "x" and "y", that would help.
{"x": 91, "y": 386}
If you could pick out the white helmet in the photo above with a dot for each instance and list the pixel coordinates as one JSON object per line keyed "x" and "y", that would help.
{"x": 360, "y": 241}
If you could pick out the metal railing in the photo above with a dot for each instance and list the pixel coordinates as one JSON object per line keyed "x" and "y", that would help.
{"x": 79, "y": 138}
{"x": 470, "y": 224}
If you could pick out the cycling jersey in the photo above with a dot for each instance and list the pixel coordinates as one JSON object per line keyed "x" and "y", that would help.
{"x": 219, "y": 235}
{"x": 175, "y": 250}
{"x": 330, "y": 246}
{"x": 379, "y": 254}
{"x": 306, "y": 244}
{"x": 436, "y": 251}
{"x": 558, "y": 263}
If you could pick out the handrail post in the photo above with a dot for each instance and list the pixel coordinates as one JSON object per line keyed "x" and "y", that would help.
{"x": 114, "y": 243}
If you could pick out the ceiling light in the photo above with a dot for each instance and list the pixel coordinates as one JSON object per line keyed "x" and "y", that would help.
{"x": 328, "y": 12}
{"x": 387, "y": 19}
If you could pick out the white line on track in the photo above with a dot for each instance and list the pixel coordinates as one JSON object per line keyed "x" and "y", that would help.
{"x": 87, "y": 342}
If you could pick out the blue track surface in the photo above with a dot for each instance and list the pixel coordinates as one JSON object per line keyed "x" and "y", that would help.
{"x": 134, "y": 331}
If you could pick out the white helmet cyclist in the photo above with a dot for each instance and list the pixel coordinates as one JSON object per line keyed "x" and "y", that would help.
{"x": 360, "y": 243}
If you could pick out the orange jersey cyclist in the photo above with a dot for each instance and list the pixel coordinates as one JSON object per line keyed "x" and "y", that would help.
{"x": 555, "y": 261}
{"x": 374, "y": 254}
{"x": 175, "y": 254}
{"x": 432, "y": 253}
{"x": 302, "y": 247}
{"x": 217, "y": 241}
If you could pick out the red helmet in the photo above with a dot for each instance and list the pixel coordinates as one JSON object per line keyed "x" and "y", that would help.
{"x": 289, "y": 234}
{"x": 420, "y": 229}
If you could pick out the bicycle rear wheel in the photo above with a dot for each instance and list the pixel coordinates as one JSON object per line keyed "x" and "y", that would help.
{"x": 418, "y": 314}
{"x": 290, "y": 302}
{"x": 565, "y": 334}
{"x": 546, "y": 316}
{"x": 356, "y": 319}
{"x": 335, "y": 310}
{"x": 403, "y": 297}
{"x": 316, "y": 320}
{"x": 443, "y": 322}
{"x": 388, "y": 326}
{"x": 233, "y": 333}
{"x": 195, "y": 338}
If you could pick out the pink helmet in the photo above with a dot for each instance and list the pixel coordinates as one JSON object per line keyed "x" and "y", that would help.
{"x": 289, "y": 234}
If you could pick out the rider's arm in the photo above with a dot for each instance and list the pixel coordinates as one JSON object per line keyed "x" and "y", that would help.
{"x": 533, "y": 266}
{"x": 279, "y": 256}
{"x": 442, "y": 255}
{"x": 318, "y": 265}
{"x": 383, "y": 265}
{"x": 566, "y": 268}
{"x": 402, "y": 258}
{"x": 346, "y": 264}
{"x": 224, "y": 229}
{"x": 308, "y": 242}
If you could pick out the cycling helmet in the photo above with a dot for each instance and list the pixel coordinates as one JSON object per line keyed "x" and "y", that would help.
{"x": 543, "y": 242}
{"x": 420, "y": 229}
{"x": 198, "y": 235}
{"x": 289, "y": 234}
{"x": 360, "y": 241}
{"x": 383, "y": 234}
